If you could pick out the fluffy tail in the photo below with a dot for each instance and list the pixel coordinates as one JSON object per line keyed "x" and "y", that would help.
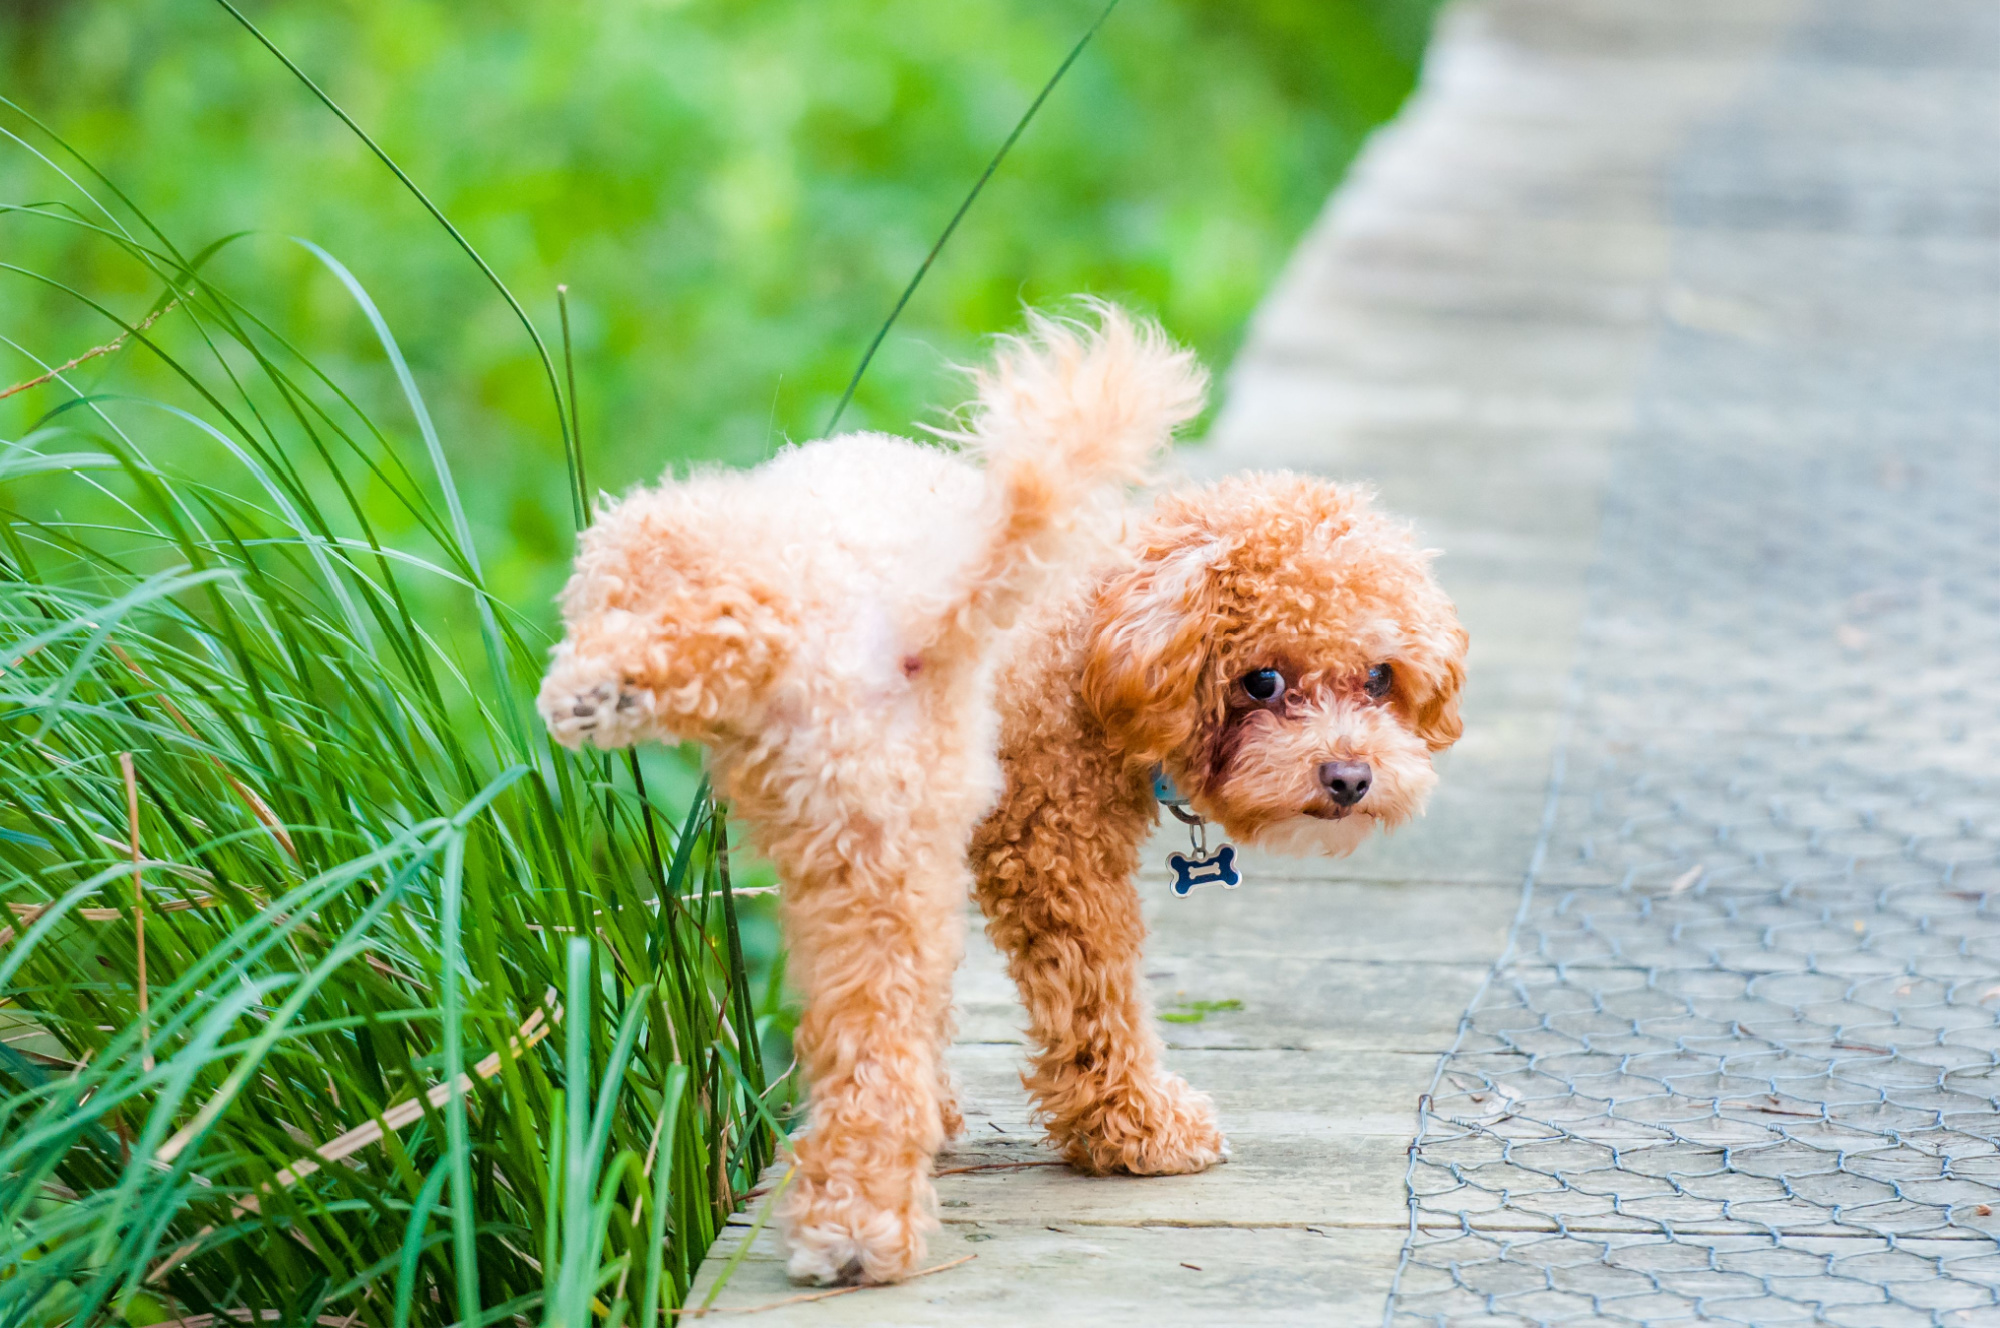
{"x": 1068, "y": 413}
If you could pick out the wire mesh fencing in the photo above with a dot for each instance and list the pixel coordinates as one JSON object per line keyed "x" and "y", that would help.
{"x": 1741, "y": 1063}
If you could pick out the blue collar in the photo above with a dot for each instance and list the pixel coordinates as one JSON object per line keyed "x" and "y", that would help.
{"x": 1198, "y": 866}
{"x": 1169, "y": 796}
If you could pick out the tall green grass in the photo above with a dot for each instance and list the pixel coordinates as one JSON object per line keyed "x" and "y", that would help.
{"x": 735, "y": 189}
{"x": 332, "y": 992}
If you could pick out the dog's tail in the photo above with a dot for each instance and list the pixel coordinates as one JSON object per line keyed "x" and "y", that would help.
{"x": 1068, "y": 413}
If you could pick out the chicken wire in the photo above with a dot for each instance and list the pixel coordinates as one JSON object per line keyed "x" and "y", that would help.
{"x": 1741, "y": 1060}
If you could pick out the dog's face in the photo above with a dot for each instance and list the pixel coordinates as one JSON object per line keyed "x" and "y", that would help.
{"x": 1283, "y": 650}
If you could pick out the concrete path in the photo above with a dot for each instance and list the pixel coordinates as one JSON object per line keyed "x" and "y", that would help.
{"x": 1596, "y": 215}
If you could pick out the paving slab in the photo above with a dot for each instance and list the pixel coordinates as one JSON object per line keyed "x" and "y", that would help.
{"x": 1115, "y": 1276}
{"x": 1619, "y": 312}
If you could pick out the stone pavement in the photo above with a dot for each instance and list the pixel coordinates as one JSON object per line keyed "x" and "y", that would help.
{"x": 1677, "y": 327}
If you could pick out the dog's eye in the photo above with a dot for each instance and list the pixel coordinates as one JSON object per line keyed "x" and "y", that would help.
{"x": 1379, "y": 679}
{"x": 1264, "y": 684}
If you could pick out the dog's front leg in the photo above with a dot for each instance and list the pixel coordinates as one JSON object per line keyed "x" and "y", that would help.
{"x": 1054, "y": 867}
{"x": 873, "y": 940}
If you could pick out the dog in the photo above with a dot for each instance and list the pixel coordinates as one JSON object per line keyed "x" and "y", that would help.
{"x": 828, "y": 625}
{"x": 1276, "y": 646}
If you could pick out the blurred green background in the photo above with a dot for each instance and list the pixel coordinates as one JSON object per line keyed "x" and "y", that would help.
{"x": 734, "y": 193}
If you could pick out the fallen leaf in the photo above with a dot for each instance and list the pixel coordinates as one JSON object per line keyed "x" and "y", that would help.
{"x": 1502, "y": 1101}
{"x": 1193, "y": 1012}
{"x": 1195, "y": 1266}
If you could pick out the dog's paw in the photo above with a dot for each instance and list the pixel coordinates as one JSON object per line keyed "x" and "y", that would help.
{"x": 600, "y": 712}
{"x": 1156, "y": 1128}
{"x": 837, "y": 1237}
{"x": 949, "y": 1114}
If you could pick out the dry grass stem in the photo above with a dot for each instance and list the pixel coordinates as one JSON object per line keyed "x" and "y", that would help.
{"x": 26, "y": 914}
{"x": 368, "y": 1132}
{"x": 138, "y": 895}
{"x": 394, "y": 974}
{"x": 107, "y": 348}
{"x": 258, "y": 807}
{"x": 245, "y": 1316}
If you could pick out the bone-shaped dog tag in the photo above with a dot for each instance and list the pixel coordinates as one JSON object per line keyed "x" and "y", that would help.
{"x": 1218, "y": 869}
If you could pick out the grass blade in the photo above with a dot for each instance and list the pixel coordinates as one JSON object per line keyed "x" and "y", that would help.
{"x": 972, "y": 196}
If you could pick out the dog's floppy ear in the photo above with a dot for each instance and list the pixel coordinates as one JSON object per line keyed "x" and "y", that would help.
{"x": 1147, "y": 647}
{"x": 1440, "y": 675}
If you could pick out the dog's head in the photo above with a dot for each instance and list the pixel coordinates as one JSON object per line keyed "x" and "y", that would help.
{"x": 1282, "y": 649}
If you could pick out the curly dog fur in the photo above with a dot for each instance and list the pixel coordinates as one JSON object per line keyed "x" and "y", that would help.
{"x": 1162, "y": 658}
{"x": 828, "y": 626}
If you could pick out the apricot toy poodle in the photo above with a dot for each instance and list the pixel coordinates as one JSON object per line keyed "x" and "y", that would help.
{"x": 1278, "y": 649}
{"x": 828, "y": 625}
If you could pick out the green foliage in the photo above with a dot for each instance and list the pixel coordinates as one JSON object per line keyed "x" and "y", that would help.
{"x": 372, "y": 892}
{"x": 734, "y": 192}
{"x": 370, "y": 897}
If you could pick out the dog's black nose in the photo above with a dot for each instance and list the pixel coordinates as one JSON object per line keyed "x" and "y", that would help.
{"x": 1346, "y": 782}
